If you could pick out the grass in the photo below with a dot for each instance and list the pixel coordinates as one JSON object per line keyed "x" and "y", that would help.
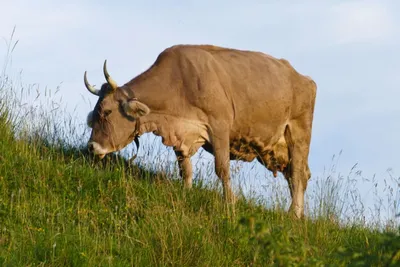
{"x": 60, "y": 207}
{"x": 63, "y": 209}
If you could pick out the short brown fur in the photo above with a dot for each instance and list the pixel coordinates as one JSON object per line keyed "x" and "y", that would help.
{"x": 235, "y": 104}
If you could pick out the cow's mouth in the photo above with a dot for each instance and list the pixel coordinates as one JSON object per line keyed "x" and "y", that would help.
{"x": 97, "y": 149}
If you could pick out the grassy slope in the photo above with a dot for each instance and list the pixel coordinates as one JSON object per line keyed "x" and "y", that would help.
{"x": 59, "y": 208}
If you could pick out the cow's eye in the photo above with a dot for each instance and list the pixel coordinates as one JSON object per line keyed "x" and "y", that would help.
{"x": 107, "y": 112}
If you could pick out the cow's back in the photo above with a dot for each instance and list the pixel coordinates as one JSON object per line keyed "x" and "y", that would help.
{"x": 252, "y": 90}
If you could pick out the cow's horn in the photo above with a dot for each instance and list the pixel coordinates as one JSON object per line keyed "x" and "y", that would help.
{"x": 90, "y": 87}
{"x": 109, "y": 80}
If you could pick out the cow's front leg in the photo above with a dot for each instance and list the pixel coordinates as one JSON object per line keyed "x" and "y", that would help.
{"x": 185, "y": 169}
{"x": 222, "y": 164}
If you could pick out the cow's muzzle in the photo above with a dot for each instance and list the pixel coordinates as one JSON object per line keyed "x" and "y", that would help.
{"x": 97, "y": 149}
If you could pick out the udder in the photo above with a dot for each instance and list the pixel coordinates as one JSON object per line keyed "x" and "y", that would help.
{"x": 276, "y": 159}
{"x": 245, "y": 149}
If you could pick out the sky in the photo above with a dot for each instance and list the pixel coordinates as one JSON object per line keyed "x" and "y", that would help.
{"x": 350, "y": 49}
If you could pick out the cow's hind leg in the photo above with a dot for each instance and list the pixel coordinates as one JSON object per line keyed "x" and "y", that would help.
{"x": 297, "y": 173}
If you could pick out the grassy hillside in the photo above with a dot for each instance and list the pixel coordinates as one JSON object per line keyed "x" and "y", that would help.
{"x": 59, "y": 207}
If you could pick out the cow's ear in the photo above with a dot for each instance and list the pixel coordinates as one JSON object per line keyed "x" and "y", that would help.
{"x": 89, "y": 119}
{"x": 135, "y": 108}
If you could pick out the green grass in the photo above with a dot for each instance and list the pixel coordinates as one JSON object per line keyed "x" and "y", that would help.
{"x": 59, "y": 207}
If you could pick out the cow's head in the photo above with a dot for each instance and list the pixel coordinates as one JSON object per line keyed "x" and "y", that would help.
{"x": 114, "y": 118}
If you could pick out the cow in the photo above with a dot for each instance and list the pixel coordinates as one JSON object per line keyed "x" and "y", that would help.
{"x": 235, "y": 104}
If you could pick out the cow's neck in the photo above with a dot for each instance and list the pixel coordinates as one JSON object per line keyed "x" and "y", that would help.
{"x": 155, "y": 89}
{"x": 147, "y": 126}
{"x": 155, "y": 123}
{"x": 160, "y": 91}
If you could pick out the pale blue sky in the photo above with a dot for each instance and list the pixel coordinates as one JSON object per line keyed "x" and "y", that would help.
{"x": 350, "y": 48}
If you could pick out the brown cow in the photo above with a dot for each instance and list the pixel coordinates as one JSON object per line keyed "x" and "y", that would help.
{"x": 235, "y": 104}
